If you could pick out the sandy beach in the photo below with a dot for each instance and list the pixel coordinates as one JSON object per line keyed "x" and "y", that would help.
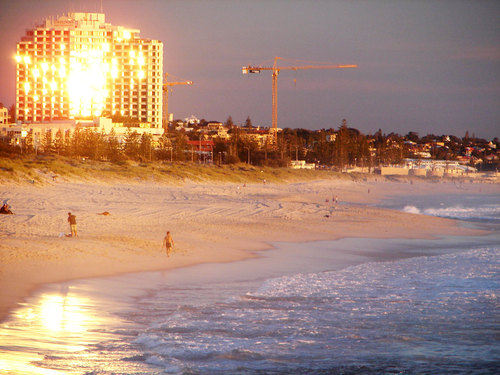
{"x": 210, "y": 223}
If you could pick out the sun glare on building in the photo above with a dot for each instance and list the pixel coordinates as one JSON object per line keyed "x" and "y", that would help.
{"x": 91, "y": 68}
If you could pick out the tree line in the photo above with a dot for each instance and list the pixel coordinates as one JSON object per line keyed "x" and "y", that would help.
{"x": 340, "y": 148}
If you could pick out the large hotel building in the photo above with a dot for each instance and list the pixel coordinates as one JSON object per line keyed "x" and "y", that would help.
{"x": 79, "y": 66}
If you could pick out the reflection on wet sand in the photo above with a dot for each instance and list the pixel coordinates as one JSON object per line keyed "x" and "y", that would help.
{"x": 59, "y": 321}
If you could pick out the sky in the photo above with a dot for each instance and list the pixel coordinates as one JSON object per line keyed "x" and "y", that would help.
{"x": 432, "y": 67}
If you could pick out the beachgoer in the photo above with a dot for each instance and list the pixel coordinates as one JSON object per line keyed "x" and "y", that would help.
{"x": 168, "y": 241}
{"x": 72, "y": 224}
{"x": 5, "y": 210}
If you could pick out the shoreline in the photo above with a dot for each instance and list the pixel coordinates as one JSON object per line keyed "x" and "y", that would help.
{"x": 211, "y": 223}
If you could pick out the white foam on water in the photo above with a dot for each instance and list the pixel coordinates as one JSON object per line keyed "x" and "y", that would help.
{"x": 460, "y": 212}
{"x": 411, "y": 210}
{"x": 327, "y": 320}
{"x": 486, "y": 212}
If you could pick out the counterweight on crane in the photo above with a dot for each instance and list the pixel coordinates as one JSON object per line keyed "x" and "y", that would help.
{"x": 166, "y": 86}
{"x": 275, "y": 72}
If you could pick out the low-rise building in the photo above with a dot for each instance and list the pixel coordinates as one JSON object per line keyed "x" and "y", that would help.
{"x": 4, "y": 116}
{"x": 301, "y": 164}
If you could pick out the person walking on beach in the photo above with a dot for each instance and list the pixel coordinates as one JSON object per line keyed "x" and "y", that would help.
{"x": 168, "y": 241}
{"x": 72, "y": 224}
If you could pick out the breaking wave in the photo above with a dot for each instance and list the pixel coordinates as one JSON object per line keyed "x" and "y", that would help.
{"x": 487, "y": 212}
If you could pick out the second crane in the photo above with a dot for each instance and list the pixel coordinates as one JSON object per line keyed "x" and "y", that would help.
{"x": 166, "y": 85}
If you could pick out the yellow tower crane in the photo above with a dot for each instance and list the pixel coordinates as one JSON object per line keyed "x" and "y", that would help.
{"x": 166, "y": 86}
{"x": 276, "y": 70}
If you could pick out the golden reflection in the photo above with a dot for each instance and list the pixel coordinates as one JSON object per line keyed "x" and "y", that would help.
{"x": 11, "y": 366}
{"x": 58, "y": 313}
{"x": 87, "y": 83}
{"x": 58, "y": 321}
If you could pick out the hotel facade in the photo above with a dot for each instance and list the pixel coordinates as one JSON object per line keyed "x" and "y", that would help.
{"x": 78, "y": 66}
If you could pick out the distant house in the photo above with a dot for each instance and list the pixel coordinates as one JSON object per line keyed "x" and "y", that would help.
{"x": 437, "y": 168}
{"x": 301, "y": 164}
{"x": 202, "y": 146}
{"x": 217, "y": 130}
{"x": 214, "y": 125}
{"x": 4, "y": 116}
{"x": 331, "y": 137}
{"x": 258, "y": 135}
{"x": 204, "y": 150}
{"x": 192, "y": 120}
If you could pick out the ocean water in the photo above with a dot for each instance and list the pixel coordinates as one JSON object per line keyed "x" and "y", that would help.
{"x": 328, "y": 307}
{"x": 483, "y": 208}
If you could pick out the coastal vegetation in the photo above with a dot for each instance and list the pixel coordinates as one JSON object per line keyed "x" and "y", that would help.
{"x": 42, "y": 169}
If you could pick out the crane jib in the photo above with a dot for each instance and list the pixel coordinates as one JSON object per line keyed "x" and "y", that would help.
{"x": 275, "y": 71}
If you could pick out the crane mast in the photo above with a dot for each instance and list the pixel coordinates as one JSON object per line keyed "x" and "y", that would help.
{"x": 250, "y": 69}
{"x": 166, "y": 85}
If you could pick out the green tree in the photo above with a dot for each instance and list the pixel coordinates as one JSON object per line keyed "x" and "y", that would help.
{"x": 93, "y": 144}
{"x": 12, "y": 113}
{"x": 413, "y": 136}
{"x": 165, "y": 148}
{"x": 229, "y": 122}
{"x": 47, "y": 142}
{"x": 180, "y": 146}
{"x": 341, "y": 146}
{"x": 146, "y": 147}
{"x": 112, "y": 148}
{"x": 59, "y": 142}
{"x": 221, "y": 148}
{"x": 28, "y": 146}
{"x": 132, "y": 145}
{"x": 76, "y": 143}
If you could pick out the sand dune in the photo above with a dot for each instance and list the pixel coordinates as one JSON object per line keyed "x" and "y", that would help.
{"x": 209, "y": 223}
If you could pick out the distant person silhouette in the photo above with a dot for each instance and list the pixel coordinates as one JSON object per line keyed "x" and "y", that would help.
{"x": 72, "y": 224}
{"x": 168, "y": 241}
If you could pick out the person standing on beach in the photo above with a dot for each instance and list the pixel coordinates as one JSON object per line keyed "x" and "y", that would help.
{"x": 168, "y": 241}
{"x": 72, "y": 224}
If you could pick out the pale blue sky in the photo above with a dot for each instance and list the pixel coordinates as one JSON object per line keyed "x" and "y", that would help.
{"x": 425, "y": 66}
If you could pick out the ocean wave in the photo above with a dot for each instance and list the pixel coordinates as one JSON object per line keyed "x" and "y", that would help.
{"x": 376, "y": 276}
{"x": 411, "y": 210}
{"x": 303, "y": 318}
{"x": 486, "y": 212}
